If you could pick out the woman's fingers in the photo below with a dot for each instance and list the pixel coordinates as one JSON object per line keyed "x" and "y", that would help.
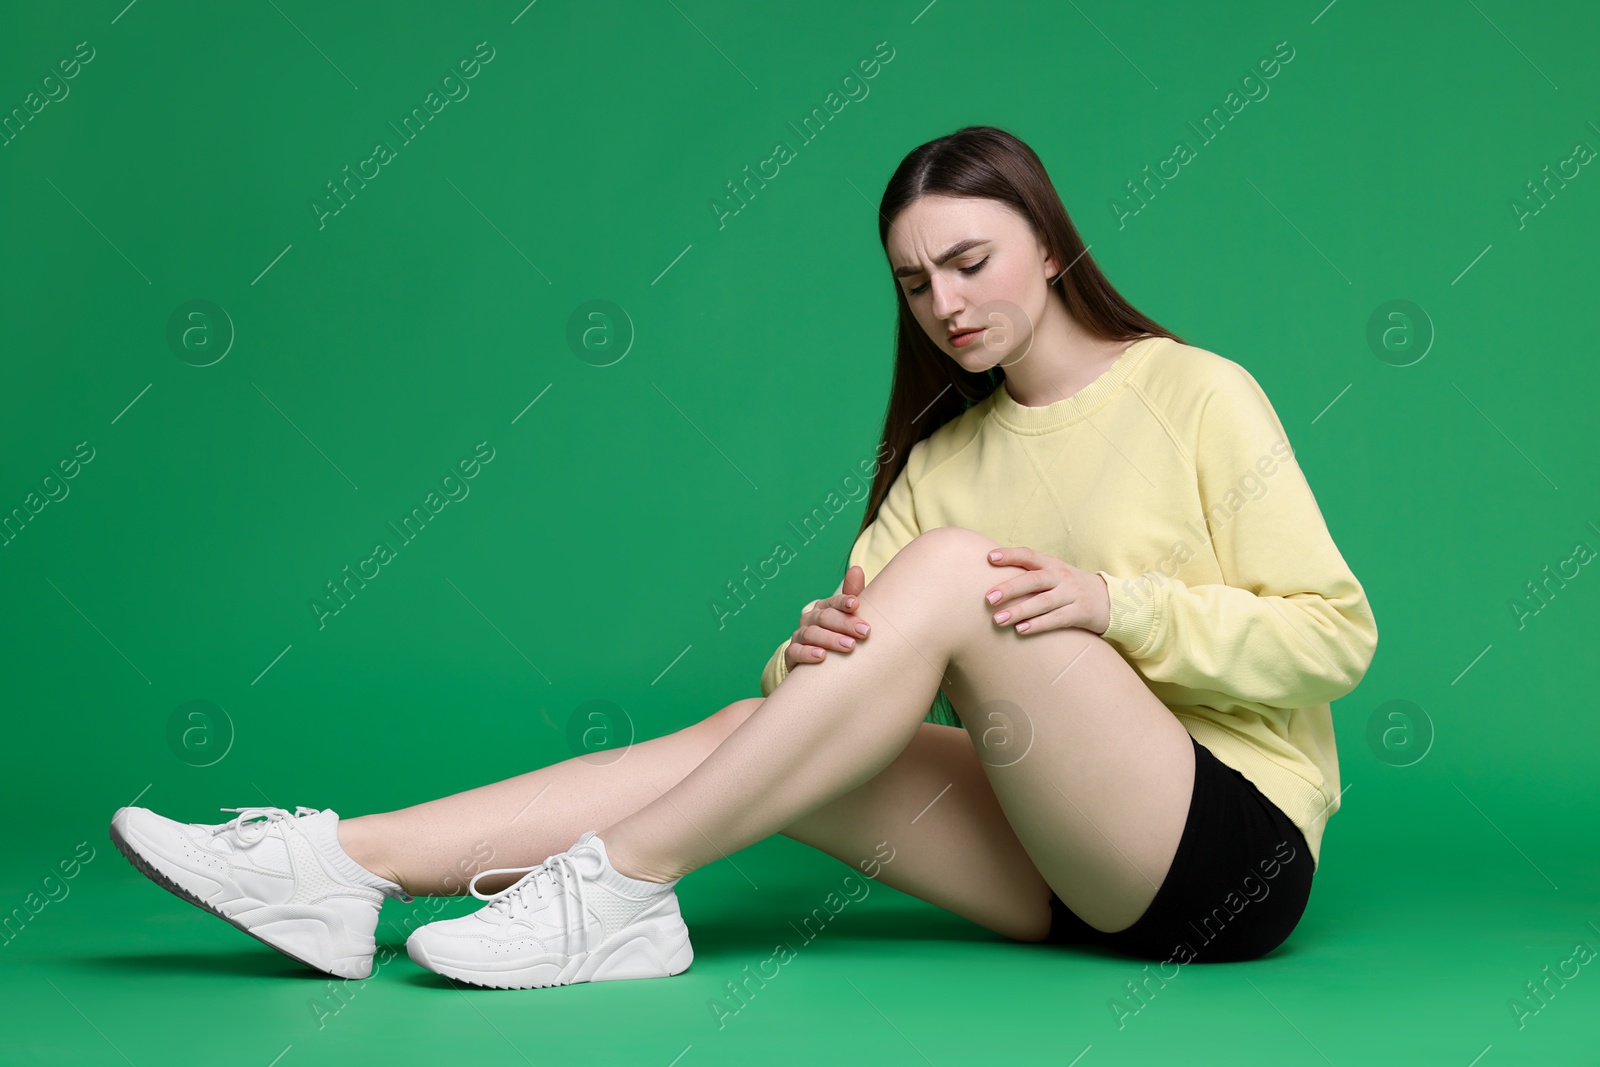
{"x": 844, "y": 622}
{"x": 826, "y": 637}
{"x": 800, "y": 652}
{"x": 836, "y": 613}
{"x": 829, "y": 624}
{"x": 841, "y": 601}
{"x": 855, "y": 580}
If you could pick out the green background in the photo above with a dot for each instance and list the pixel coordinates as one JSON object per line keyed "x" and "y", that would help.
{"x": 373, "y": 353}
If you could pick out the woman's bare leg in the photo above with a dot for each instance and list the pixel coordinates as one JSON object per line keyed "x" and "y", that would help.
{"x": 931, "y": 826}
{"x": 1099, "y": 801}
{"x": 434, "y": 848}
{"x": 928, "y": 825}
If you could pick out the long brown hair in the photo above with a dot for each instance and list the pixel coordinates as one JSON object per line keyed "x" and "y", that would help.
{"x": 929, "y": 388}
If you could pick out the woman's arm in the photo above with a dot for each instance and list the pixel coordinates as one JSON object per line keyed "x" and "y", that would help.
{"x": 1291, "y": 627}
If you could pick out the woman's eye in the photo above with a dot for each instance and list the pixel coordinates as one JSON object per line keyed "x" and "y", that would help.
{"x": 964, "y": 270}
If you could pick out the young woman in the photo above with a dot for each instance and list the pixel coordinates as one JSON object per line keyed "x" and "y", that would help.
{"x": 1091, "y": 538}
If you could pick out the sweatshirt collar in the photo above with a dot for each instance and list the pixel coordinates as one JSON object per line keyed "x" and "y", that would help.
{"x": 1021, "y": 419}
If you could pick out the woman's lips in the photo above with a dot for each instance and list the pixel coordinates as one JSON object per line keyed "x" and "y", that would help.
{"x": 961, "y": 340}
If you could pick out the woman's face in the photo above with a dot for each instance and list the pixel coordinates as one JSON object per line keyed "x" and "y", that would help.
{"x": 967, "y": 264}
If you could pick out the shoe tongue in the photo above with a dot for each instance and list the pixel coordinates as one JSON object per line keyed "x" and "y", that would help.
{"x": 321, "y": 828}
{"x": 589, "y": 854}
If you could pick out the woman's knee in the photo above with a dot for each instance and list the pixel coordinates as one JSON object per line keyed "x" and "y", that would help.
{"x": 953, "y": 543}
{"x": 945, "y": 559}
{"x": 956, "y": 558}
{"x": 949, "y": 566}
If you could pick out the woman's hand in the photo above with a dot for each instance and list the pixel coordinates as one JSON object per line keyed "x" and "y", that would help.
{"x": 1052, "y": 596}
{"x": 830, "y": 623}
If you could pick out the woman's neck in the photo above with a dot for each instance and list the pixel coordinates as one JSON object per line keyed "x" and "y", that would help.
{"x": 1062, "y": 359}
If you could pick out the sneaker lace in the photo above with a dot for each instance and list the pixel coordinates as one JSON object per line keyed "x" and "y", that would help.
{"x": 559, "y": 873}
{"x": 245, "y": 827}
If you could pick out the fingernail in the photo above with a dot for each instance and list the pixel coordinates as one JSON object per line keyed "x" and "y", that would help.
{"x": 862, "y": 628}
{"x": 994, "y": 597}
{"x": 1003, "y": 616}
{"x": 850, "y": 602}
{"x": 848, "y": 642}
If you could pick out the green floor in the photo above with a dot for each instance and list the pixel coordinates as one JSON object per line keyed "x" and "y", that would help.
{"x": 1416, "y": 960}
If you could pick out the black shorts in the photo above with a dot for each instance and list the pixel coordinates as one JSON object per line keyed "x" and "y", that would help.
{"x": 1238, "y": 884}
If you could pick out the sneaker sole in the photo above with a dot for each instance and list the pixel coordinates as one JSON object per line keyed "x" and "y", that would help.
{"x": 635, "y": 952}
{"x": 144, "y": 867}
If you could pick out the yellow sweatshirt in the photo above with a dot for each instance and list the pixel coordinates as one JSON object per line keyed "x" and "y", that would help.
{"x": 1171, "y": 477}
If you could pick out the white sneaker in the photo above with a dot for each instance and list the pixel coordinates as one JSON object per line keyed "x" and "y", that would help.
{"x": 281, "y": 878}
{"x": 572, "y": 918}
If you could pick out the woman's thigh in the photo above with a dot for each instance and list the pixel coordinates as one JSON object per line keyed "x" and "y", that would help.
{"x": 1093, "y": 772}
{"x": 1238, "y": 884}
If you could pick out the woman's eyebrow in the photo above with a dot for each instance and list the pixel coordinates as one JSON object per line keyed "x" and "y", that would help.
{"x": 951, "y": 253}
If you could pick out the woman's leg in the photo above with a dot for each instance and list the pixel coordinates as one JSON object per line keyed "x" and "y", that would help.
{"x": 932, "y": 820}
{"x": 434, "y": 848}
{"x": 1098, "y": 800}
{"x": 928, "y": 825}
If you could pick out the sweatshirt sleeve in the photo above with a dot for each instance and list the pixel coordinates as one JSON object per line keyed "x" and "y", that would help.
{"x": 894, "y": 527}
{"x": 1290, "y": 626}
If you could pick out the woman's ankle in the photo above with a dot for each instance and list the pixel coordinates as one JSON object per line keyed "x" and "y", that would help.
{"x": 362, "y": 840}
